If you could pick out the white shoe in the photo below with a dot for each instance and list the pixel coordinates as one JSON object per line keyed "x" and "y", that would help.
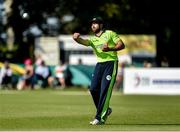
{"x": 96, "y": 122}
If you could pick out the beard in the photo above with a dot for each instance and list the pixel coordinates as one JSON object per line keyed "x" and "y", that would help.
{"x": 96, "y": 30}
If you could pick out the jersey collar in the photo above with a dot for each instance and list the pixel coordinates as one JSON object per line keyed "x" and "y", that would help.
{"x": 102, "y": 31}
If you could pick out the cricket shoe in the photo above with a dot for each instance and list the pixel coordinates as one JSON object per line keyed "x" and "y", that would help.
{"x": 96, "y": 122}
{"x": 109, "y": 111}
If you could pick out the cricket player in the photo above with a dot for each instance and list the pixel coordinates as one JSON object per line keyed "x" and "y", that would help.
{"x": 105, "y": 44}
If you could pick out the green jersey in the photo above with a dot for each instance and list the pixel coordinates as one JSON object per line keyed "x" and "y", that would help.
{"x": 96, "y": 43}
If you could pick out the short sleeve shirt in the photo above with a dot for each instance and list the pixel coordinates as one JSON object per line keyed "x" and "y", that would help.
{"x": 96, "y": 43}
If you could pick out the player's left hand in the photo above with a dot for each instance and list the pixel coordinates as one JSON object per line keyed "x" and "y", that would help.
{"x": 105, "y": 47}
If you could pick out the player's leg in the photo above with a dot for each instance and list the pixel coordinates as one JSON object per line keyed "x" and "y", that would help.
{"x": 95, "y": 84}
{"x": 95, "y": 90}
{"x": 108, "y": 80}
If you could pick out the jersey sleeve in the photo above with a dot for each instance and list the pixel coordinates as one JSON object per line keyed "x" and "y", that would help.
{"x": 89, "y": 41}
{"x": 115, "y": 37}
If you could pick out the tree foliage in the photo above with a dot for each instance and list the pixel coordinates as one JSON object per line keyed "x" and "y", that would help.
{"x": 124, "y": 16}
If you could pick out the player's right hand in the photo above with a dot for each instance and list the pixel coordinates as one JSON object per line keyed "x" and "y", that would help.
{"x": 76, "y": 36}
{"x": 105, "y": 47}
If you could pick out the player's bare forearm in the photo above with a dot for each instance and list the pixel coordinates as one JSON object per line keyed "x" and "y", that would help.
{"x": 78, "y": 39}
{"x": 119, "y": 46}
{"x": 82, "y": 41}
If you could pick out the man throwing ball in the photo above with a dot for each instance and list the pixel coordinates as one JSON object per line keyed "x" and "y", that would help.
{"x": 105, "y": 44}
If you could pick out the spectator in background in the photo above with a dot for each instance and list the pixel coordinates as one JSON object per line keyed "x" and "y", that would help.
{"x": 59, "y": 76}
{"x": 5, "y": 75}
{"x": 164, "y": 62}
{"x": 147, "y": 64}
{"x": 27, "y": 79}
{"x": 42, "y": 73}
{"x": 80, "y": 62}
{"x": 39, "y": 60}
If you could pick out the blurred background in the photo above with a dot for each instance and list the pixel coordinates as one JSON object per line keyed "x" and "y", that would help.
{"x": 39, "y": 57}
{"x": 43, "y": 29}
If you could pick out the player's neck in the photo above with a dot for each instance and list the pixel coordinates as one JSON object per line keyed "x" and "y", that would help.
{"x": 98, "y": 34}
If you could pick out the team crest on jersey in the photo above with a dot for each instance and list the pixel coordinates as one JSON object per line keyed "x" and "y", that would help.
{"x": 108, "y": 77}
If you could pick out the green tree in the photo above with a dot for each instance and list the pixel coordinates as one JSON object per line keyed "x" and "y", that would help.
{"x": 125, "y": 16}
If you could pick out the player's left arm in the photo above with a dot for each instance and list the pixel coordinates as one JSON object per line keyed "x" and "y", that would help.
{"x": 119, "y": 44}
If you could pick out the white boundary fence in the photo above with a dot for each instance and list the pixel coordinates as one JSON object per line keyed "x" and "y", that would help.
{"x": 165, "y": 81}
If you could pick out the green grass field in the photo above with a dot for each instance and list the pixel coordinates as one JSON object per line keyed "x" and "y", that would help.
{"x": 71, "y": 110}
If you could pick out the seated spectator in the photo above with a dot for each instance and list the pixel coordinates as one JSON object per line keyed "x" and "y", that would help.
{"x": 164, "y": 62}
{"x": 59, "y": 76}
{"x": 27, "y": 79}
{"x": 5, "y": 75}
{"x": 39, "y": 60}
{"x": 147, "y": 64}
{"x": 42, "y": 73}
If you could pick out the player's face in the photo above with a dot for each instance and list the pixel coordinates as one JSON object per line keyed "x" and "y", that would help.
{"x": 95, "y": 27}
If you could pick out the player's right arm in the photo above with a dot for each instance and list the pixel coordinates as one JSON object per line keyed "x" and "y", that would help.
{"x": 78, "y": 39}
